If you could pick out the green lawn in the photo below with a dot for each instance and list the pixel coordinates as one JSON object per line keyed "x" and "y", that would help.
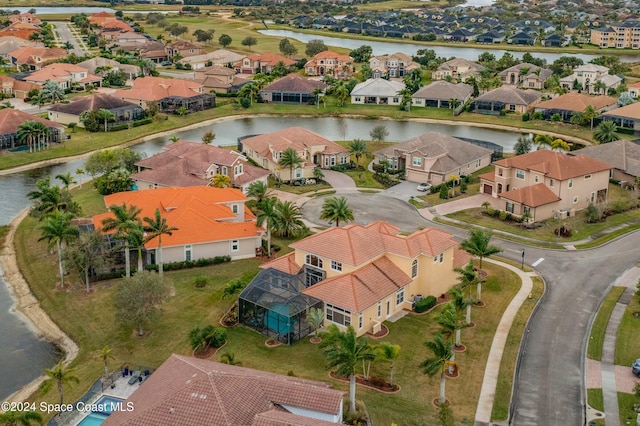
{"x": 626, "y": 401}
{"x": 596, "y": 401}
{"x": 627, "y": 342}
{"x": 599, "y": 326}
{"x": 472, "y": 189}
{"x": 364, "y": 179}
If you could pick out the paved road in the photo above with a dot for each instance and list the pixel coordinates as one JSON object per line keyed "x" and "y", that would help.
{"x": 549, "y": 387}
{"x": 64, "y": 31}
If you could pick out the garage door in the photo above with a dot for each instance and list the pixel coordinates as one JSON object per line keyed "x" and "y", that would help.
{"x": 488, "y": 189}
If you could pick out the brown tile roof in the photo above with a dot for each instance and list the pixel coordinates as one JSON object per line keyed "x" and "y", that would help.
{"x": 270, "y": 59}
{"x": 622, "y": 154}
{"x": 111, "y": 25}
{"x": 26, "y": 55}
{"x": 297, "y": 138}
{"x": 443, "y": 90}
{"x": 189, "y": 391}
{"x": 628, "y": 111}
{"x": 355, "y": 244}
{"x": 10, "y": 43}
{"x": 277, "y": 417}
{"x": 460, "y": 258}
{"x": 18, "y": 84}
{"x": 327, "y": 54}
{"x": 294, "y": 84}
{"x": 577, "y": 102}
{"x": 490, "y": 176}
{"x": 362, "y": 288}
{"x": 13, "y": 31}
{"x": 511, "y": 95}
{"x": 93, "y": 102}
{"x": 286, "y": 263}
{"x": 532, "y": 196}
{"x": 157, "y": 88}
{"x": 555, "y": 164}
{"x": 11, "y": 119}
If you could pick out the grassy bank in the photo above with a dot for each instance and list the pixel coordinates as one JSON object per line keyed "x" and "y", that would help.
{"x": 599, "y": 326}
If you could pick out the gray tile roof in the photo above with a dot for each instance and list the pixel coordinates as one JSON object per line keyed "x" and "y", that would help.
{"x": 444, "y": 90}
{"x": 622, "y": 154}
{"x": 510, "y": 95}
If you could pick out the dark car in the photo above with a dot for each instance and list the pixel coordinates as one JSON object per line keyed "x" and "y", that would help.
{"x": 635, "y": 367}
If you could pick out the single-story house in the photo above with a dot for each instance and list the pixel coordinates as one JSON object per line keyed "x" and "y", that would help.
{"x": 292, "y": 89}
{"x": 210, "y": 222}
{"x": 94, "y": 65}
{"x": 377, "y": 91}
{"x": 490, "y": 37}
{"x": 10, "y": 121}
{"x": 508, "y": 98}
{"x": 622, "y": 154}
{"x": 626, "y": 117}
{"x": 439, "y": 94}
{"x": 123, "y": 111}
{"x": 573, "y": 102}
{"x": 434, "y": 157}
{"x": 222, "y": 57}
{"x": 522, "y": 38}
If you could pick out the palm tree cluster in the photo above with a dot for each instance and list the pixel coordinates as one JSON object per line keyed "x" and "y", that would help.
{"x": 34, "y": 134}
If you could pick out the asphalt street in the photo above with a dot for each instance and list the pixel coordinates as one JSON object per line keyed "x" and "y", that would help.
{"x": 65, "y": 35}
{"x": 550, "y": 381}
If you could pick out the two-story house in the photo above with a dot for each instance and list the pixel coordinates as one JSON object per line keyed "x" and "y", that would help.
{"x": 315, "y": 151}
{"x": 68, "y": 76}
{"x": 35, "y": 58}
{"x": 434, "y": 157}
{"x": 330, "y": 63}
{"x": 593, "y": 79}
{"x": 261, "y": 63}
{"x": 185, "y": 163}
{"x": 183, "y": 49}
{"x": 525, "y": 76}
{"x": 219, "y": 79}
{"x": 547, "y": 184}
{"x": 396, "y": 65}
{"x": 457, "y": 69}
{"x": 359, "y": 275}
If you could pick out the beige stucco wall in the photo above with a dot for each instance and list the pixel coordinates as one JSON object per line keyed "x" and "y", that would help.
{"x": 423, "y": 174}
{"x": 64, "y": 118}
{"x": 247, "y": 249}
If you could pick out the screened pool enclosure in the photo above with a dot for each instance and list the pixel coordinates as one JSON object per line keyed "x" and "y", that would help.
{"x": 274, "y": 305}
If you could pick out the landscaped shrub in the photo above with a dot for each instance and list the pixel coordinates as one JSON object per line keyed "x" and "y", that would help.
{"x": 200, "y": 282}
{"x": 619, "y": 206}
{"x": 464, "y": 187}
{"x": 502, "y": 215}
{"x": 525, "y": 116}
{"x": 385, "y": 179}
{"x": 444, "y": 192}
{"x": 234, "y": 287}
{"x": 425, "y": 304}
{"x": 342, "y": 167}
{"x": 207, "y": 337}
{"x": 142, "y": 122}
{"x": 174, "y": 266}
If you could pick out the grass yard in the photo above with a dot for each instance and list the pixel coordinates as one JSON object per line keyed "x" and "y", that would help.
{"x": 472, "y": 189}
{"x": 627, "y": 342}
{"x": 626, "y": 402}
{"x": 596, "y": 400}
{"x": 364, "y": 179}
{"x": 594, "y": 351}
{"x": 90, "y": 321}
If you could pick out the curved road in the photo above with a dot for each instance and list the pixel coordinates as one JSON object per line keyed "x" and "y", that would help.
{"x": 549, "y": 386}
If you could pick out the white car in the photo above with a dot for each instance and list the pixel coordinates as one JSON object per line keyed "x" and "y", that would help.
{"x": 424, "y": 187}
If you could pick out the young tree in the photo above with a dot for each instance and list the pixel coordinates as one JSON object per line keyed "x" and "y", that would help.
{"x": 268, "y": 216}
{"x": 124, "y": 222}
{"x": 290, "y": 158}
{"x": 389, "y": 353}
{"x": 523, "y": 145}
{"x": 225, "y": 40}
{"x": 379, "y": 133}
{"x": 249, "y": 41}
{"x": 287, "y": 48}
{"x": 39, "y": 98}
{"x": 156, "y": 227}
{"x": 314, "y": 47}
{"x": 315, "y": 318}
{"x": 606, "y": 132}
{"x": 478, "y": 245}
{"x": 58, "y": 231}
{"x": 358, "y": 148}
{"x": 229, "y": 358}
{"x": 89, "y": 252}
{"x": 106, "y": 353}
{"x": 336, "y": 209}
{"x": 589, "y": 114}
{"x": 59, "y": 376}
{"x": 442, "y": 351}
{"x": 105, "y": 116}
{"x": 343, "y": 352}
{"x": 22, "y": 418}
{"x": 208, "y": 137}
{"x": 137, "y": 299}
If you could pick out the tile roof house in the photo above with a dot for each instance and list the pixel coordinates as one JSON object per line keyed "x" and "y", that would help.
{"x": 377, "y": 91}
{"x": 169, "y": 94}
{"x": 19, "y": 30}
{"x": 10, "y": 121}
{"x": 458, "y": 69}
{"x": 186, "y": 391}
{"x": 29, "y": 18}
{"x": 573, "y": 102}
{"x": 395, "y": 65}
{"x": 10, "y": 43}
{"x": 316, "y": 151}
{"x": 123, "y": 111}
{"x": 626, "y": 117}
{"x": 261, "y": 63}
{"x": 211, "y": 222}
{"x": 92, "y": 65}
{"x": 585, "y": 77}
{"x": 622, "y": 154}
{"x": 16, "y": 88}
{"x": 220, "y": 79}
{"x": 67, "y": 76}
{"x": 490, "y": 37}
{"x": 221, "y": 57}
{"x": 292, "y": 89}
{"x": 35, "y": 58}
{"x": 439, "y": 93}
{"x": 633, "y": 88}
{"x": 101, "y": 18}
{"x": 434, "y": 157}
{"x": 363, "y": 275}
{"x": 506, "y": 98}
{"x": 184, "y": 163}
{"x": 525, "y": 76}
{"x": 183, "y": 48}
{"x": 547, "y": 184}
{"x": 330, "y": 63}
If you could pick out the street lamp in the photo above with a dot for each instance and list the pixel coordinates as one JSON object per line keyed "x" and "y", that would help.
{"x": 522, "y": 264}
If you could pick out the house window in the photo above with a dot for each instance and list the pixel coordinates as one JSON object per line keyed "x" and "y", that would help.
{"x": 326, "y": 161}
{"x": 396, "y": 100}
{"x": 512, "y": 107}
{"x": 298, "y": 173}
{"x": 313, "y": 260}
{"x": 399, "y": 296}
{"x": 575, "y": 199}
{"x": 379, "y": 309}
{"x": 414, "y": 268}
{"x": 336, "y": 266}
{"x": 509, "y": 207}
{"x": 234, "y": 208}
{"x": 478, "y": 162}
{"x": 343, "y": 160}
{"x": 499, "y": 172}
{"x": 570, "y": 183}
{"x": 235, "y": 245}
{"x": 333, "y": 160}
{"x": 187, "y": 253}
{"x": 360, "y": 321}
{"x": 338, "y": 315}
{"x": 552, "y": 183}
{"x": 358, "y": 99}
{"x": 435, "y": 259}
{"x": 417, "y": 161}
{"x": 520, "y": 174}
{"x": 441, "y": 257}
{"x": 536, "y": 178}
{"x": 593, "y": 197}
{"x": 527, "y": 210}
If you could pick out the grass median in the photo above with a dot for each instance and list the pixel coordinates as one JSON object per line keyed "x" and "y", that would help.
{"x": 599, "y": 326}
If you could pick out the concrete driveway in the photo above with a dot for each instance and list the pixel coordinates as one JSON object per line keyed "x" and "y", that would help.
{"x": 340, "y": 181}
{"x": 403, "y": 191}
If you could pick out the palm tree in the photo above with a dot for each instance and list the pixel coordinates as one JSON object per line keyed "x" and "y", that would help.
{"x": 467, "y": 278}
{"x": 289, "y": 219}
{"x": 336, "y": 209}
{"x": 42, "y": 134}
{"x": 52, "y": 91}
{"x": 208, "y": 137}
{"x": 105, "y": 354}
{"x": 125, "y": 221}
{"x": 268, "y": 215}
{"x": 442, "y": 350}
{"x": 315, "y": 318}
{"x": 39, "y": 99}
{"x": 229, "y": 358}
{"x": 290, "y": 158}
{"x": 342, "y": 94}
{"x": 66, "y": 179}
{"x": 27, "y": 133}
{"x": 59, "y": 376}
{"x": 258, "y": 190}
{"x": 157, "y": 227}
{"x": 358, "y": 148}
{"x": 20, "y": 418}
{"x": 58, "y": 231}
{"x": 221, "y": 181}
{"x": 589, "y": 114}
{"x": 478, "y": 245}
{"x": 388, "y": 352}
{"x": 577, "y": 119}
{"x": 460, "y": 303}
{"x": 343, "y": 351}
{"x": 449, "y": 321}
{"x": 543, "y": 140}
{"x": 600, "y": 87}
{"x": 560, "y": 145}
{"x": 105, "y": 115}
{"x": 316, "y": 93}
{"x": 606, "y": 132}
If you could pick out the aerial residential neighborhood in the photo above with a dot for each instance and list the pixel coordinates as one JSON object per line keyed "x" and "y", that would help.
{"x": 314, "y": 213}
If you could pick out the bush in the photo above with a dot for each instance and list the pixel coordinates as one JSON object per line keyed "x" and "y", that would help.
{"x": 464, "y": 187}
{"x": 385, "y": 179}
{"x": 502, "y": 215}
{"x": 444, "y": 191}
{"x": 200, "y": 282}
{"x": 234, "y": 286}
{"x": 245, "y": 102}
{"x": 342, "y": 167}
{"x": 174, "y": 266}
{"x": 208, "y": 336}
{"x": 525, "y": 116}
{"x": 425, "y": 304}
{"x": 142, "y": 122}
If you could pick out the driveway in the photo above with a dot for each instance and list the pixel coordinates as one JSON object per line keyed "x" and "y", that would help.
{"x": 65, "y": 34}
{"x": 404, "y": 190}
{"x": 339, "y": 181}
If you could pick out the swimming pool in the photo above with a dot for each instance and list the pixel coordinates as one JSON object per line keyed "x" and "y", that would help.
{"x": 104, "y": 406}
{"x": 93, "y": 419}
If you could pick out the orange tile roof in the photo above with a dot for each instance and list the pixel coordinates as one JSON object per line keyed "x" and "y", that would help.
{"x": 26, "y": 55}
{"x": 23, "y": 33}
{"x": 460, "y": 258}
{"x": 199, "y": 213}
{"x": 574, "y": 101}
{"x": 362, "y": 288}
{"x": 119, "y": 25}
{"x": 157, "y": 88}
{"x": 327, "y": 54}
{"x": 490, "y": 176}
{"x": 356, "y": 244}
{"x": 555, "y": 164}
{"x": 270, "y": 59}
{"x": 60, "y": 72}
{"x": 286, "y": 264}
{"x": 532, "y": 196}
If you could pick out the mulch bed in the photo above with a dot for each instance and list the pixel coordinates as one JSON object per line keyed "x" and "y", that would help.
{"x": 384, "y": 330}
{"x": 455, "y": 374}
{"x": 272, "y": 343}
{"x": 436, "y": 403}
{"x": 211, "y": 351}
{"x": 362, "y": 382}
{"x": 230, "y": 318}
{"x": 441, "y": 300}
{"x": 460, "y": 348}
{"x": 315, "y": 340}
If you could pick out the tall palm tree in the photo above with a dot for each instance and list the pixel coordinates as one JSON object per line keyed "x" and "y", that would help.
{"x": 105, "y": 115}
{"x": 220, "y": 181}
{"x": 589, "y": 114}
{"x": 258, "y": 190}
{"x": 290, "y": 158}
{"x": 268, "y": 216}
{"x": 577, "y": 119}
{"x": 388, "y": 352}
{"x": 358, "y": 148}
{"x": 451, "y": 325}
{"x": 106, "y": 353}
{"x": 39, "y": 99}
{"x": 124, "y": 222}
{"x": 543, "y": 140}
{"x": 478, "y": 245}
{"x": 467, "y": 277}
{"x": 289, "y": 219}
{"x": 342, "y": 94}
{"x": 606, "y": 132}
{"x": 442, "y": 350}
{"x": 20, "y": 418}
{"x": 42, "y": 134}
{"x": 336, "y": 209}
{"x": 460, "y": 304}
{"x": 58, "y": 231}
{"x": 156, "y": 227}
{"x": 27, "y": 133}
{"x": 343, "y": 351}
{"x": 66, "y": 179}
{"x": 60, "y": 375}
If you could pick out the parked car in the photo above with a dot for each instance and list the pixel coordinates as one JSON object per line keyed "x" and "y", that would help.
{"x": 635, "y": 367}
{"x": 424, "y": 187}
{"x": 165, "y": 63}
